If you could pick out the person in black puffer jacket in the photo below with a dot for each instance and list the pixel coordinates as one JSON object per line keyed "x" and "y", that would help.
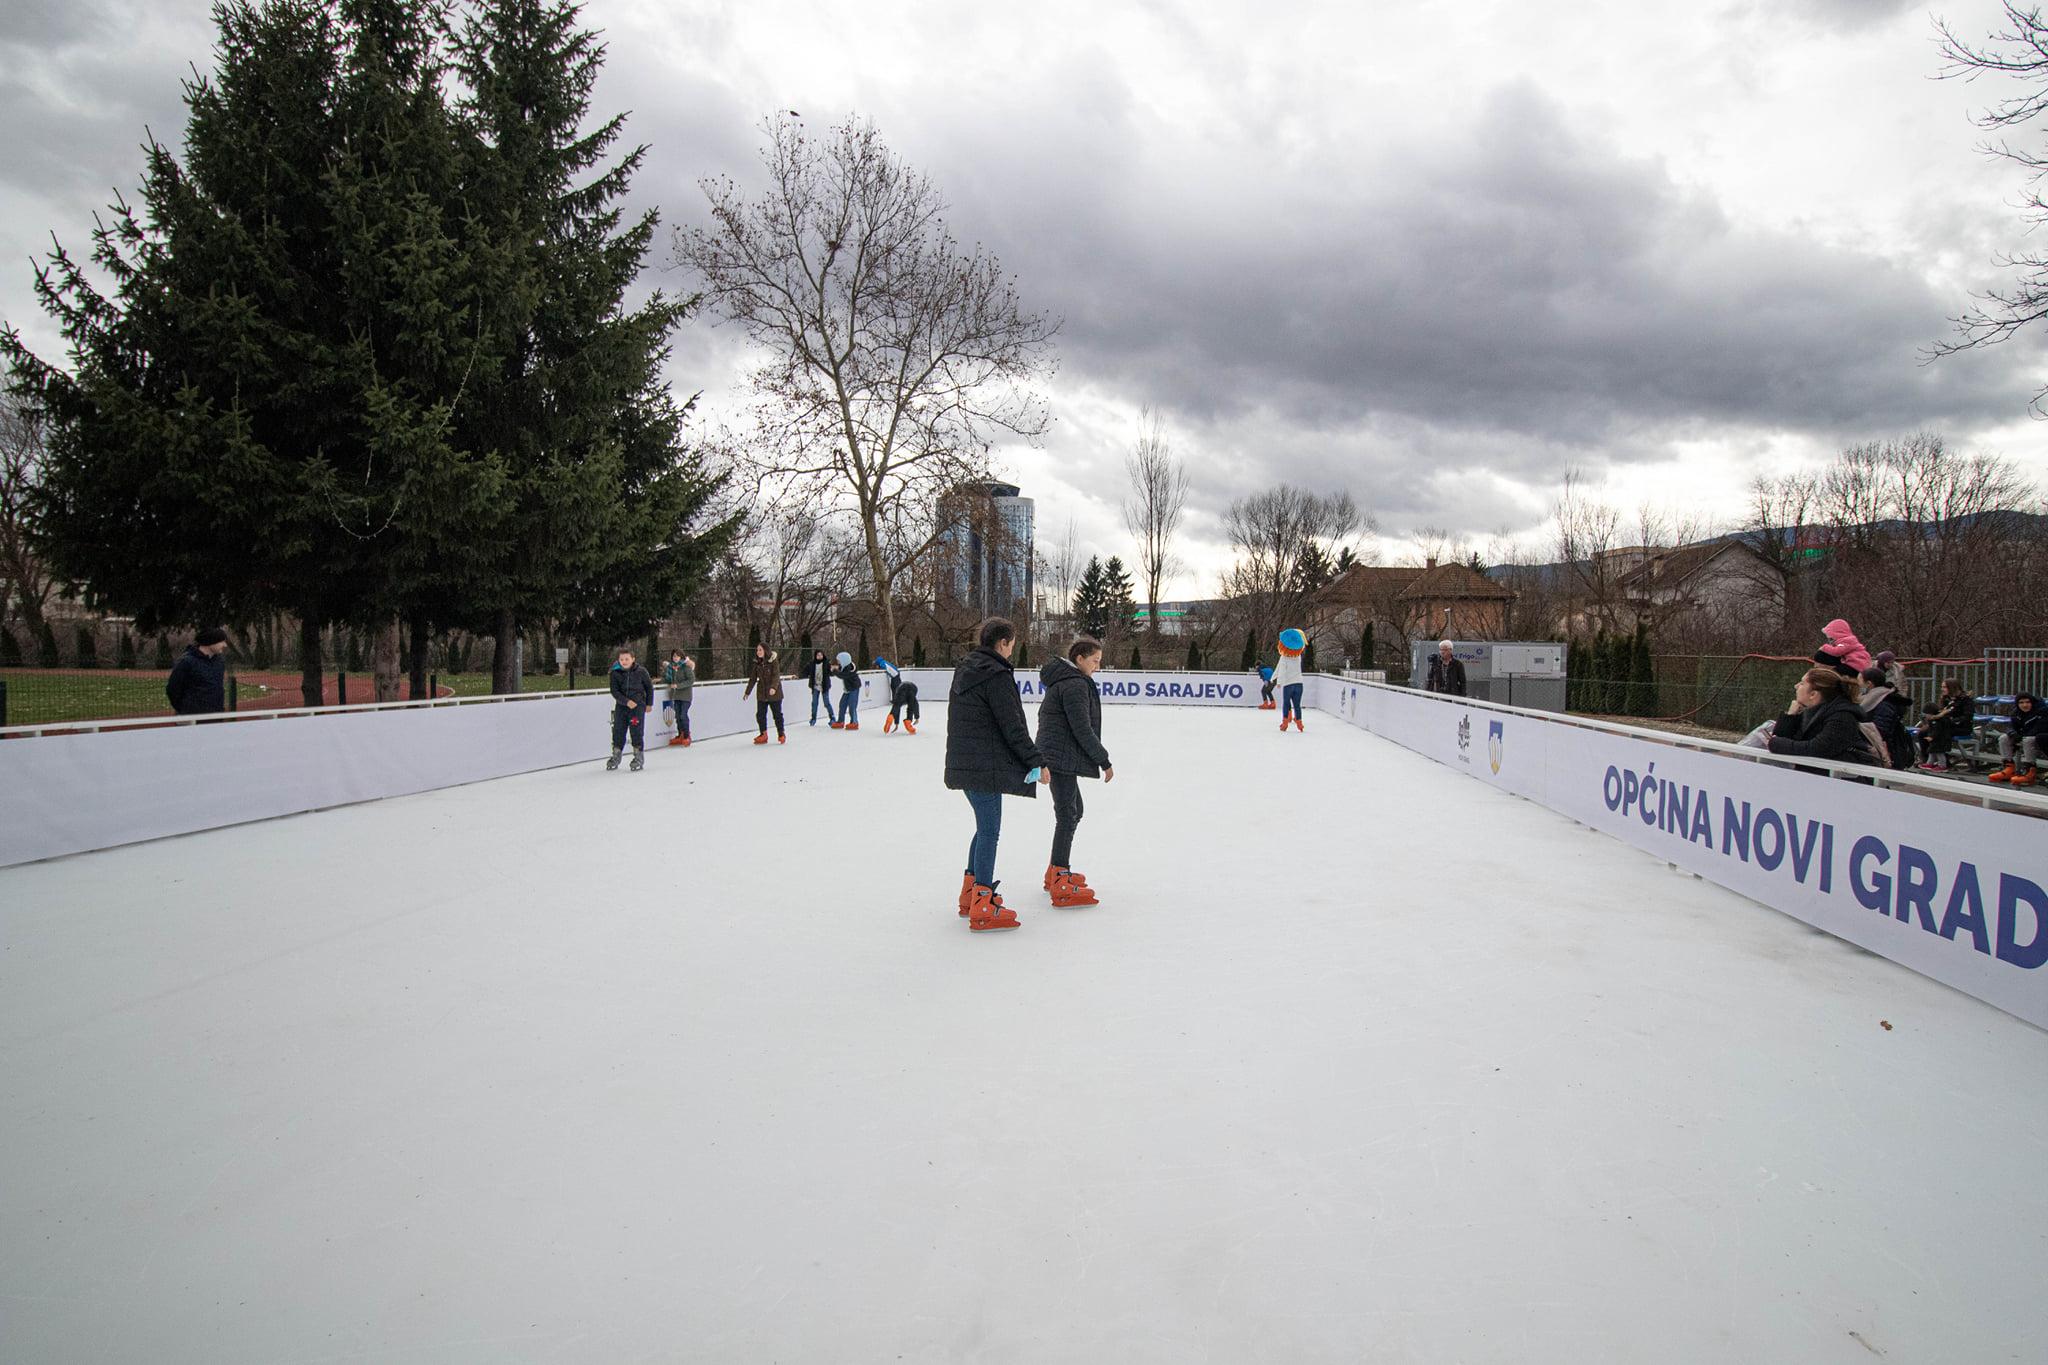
{"x": 1824, "y": 721}
{"x": 198, "y": 682}
{"x": 632, "y": 694}
{"x": 1070, "y": 737}
{"x": 989, "y": 755}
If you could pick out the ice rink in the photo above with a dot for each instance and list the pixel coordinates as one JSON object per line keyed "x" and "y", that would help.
{"x": 1360, "y": 1060}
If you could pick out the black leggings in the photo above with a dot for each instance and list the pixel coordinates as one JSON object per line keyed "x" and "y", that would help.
{"x": 1066, "y": 814}
{"x": 906, "y": 701}
{"x": 762, "y": 706}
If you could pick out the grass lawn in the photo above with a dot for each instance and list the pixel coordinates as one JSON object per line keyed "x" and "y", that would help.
{"x": 50, "y": 696}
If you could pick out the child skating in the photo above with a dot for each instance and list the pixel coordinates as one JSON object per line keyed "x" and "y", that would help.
{"x": 1070, "y": 737}
{"x": 849, "y": 701}
{"x": 764, "y": 684}
{"x": 632, "y": 694}
{"x": 680, "y": 674}
{"x": 1287, "y": 676}
{"x": 903, "y": 708}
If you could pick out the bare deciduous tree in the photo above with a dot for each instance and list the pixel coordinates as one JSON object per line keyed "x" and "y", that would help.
{"x": 892, "y": 357}
{"x": 1152, "y": 513}
{"x": 1588, "y": 531}
{"x": 1272, "y": 532}
{"x": 1923, "y": 545}
{"x": 2019, "y": 51}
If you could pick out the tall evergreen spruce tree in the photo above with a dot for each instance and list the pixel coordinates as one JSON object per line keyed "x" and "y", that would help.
{"x": 252, "y": 420}
{"x": 1118, "y": 606}
{"x": 1091, "y": 601}
{"x": 603, "y": 494}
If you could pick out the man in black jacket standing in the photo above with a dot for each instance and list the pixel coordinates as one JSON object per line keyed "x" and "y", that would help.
{"x": 198, "y": 682}
{"x": 989, "y": 755}
{"x": 1446, "y": 674}
{"x": 632, "y": 694}
{"x": 1070, "y": 737}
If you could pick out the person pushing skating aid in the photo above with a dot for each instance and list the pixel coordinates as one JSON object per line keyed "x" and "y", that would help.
{"x": 632, "y": 694}
{"x": 903, "y": 708}
{"x": 1287, "y": 675}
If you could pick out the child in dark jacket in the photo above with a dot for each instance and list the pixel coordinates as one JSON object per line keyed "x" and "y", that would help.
{"x": 849, "y": 701}
{"x": 632, "y": 694}
{"x": 1070, "y": 737}
{"x": 2021, "y": 746}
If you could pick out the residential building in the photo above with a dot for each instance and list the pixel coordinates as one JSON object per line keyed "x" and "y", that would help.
{"x": 1451, "y": 600}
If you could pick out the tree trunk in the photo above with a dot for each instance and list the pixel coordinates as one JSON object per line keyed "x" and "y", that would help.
{"x": 883, "y": 597}
{"x": 503, "y": 660}
{"x": 422, "y": 641}
{"x": 312, "y": 686}
{"x": 384, "y": 660}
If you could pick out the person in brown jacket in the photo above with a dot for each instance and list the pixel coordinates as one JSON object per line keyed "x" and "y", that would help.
{"x": 764, "y": 685}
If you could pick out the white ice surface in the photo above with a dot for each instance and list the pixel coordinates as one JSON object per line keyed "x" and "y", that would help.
{"x": 1359, "y": 1061}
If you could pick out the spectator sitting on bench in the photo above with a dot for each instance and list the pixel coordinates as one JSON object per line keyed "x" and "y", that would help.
{"x": 1886, "y": 710}
{"x": 1955, "y": 715}
{"x": 2021, "y": 745}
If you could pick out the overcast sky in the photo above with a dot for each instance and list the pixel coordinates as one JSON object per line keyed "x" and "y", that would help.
{"x": 1433, "y": 256}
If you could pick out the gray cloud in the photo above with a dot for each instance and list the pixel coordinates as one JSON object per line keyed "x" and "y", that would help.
{"x": 1438, "y": 306}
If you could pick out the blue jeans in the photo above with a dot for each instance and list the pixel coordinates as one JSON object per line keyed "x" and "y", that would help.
{"x": 818, "y": 694}
{"x": 988, "y": 827}
{"x": 1290, "y": 701}
{"x": 849, "y": 706}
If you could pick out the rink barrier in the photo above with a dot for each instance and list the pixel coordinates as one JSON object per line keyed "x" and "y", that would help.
{"x": 82, "y": 786}
{"x": 1952, "y": 889}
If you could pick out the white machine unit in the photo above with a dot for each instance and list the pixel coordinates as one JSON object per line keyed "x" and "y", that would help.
{"x": 1513, "y": 672}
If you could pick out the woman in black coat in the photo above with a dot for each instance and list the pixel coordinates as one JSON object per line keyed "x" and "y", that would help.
{"x": 989, "y": 755}
{"x": 1070, "y": 737}
{"x": 1824, "y": 721}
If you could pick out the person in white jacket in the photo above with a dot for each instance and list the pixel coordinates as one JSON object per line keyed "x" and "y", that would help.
{"x": 1287, "y": 676}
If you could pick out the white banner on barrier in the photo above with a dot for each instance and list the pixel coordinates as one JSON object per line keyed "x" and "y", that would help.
{"x": 73, "y": 792}
{"x": 1120, "y": 687}
{"x": 1952, "y": 891}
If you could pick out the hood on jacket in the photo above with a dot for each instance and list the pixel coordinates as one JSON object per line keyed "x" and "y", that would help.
{"x": 981, "y": 667}
{"x": 2019, "y": 697}
{"x": 1055, "y": 670}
